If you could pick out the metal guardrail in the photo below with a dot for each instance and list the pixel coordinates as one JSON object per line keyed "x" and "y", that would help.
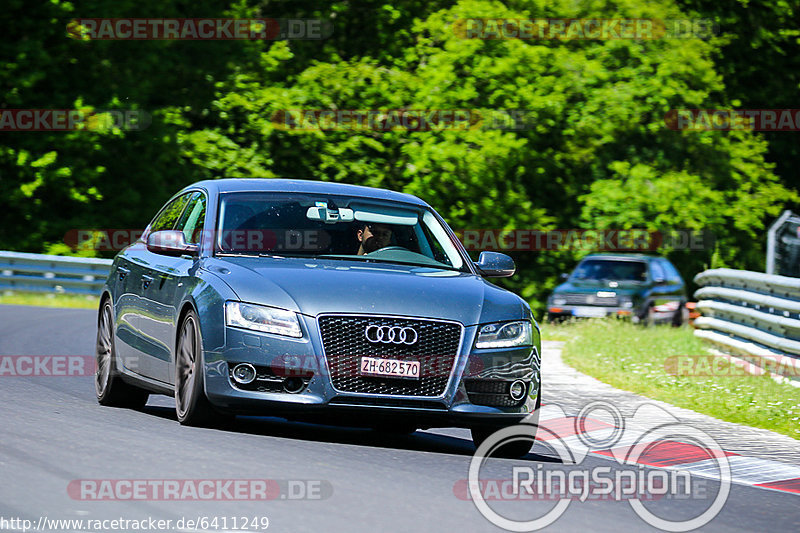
{"x": 783, "y": 245}
{"x": 52, "y": 273}
{"x": 751, "y": 315}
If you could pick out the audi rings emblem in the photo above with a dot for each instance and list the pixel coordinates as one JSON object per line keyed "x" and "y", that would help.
{"x": 391, "y": 334}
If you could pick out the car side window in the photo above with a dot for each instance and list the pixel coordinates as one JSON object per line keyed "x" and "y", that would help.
{"x": 168, "y": 216}
{"x": 193, "y": 218}
{"x": 657, "y": 271}
{"x": 672, "y": 273}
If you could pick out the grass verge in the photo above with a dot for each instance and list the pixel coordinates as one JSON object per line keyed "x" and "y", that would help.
{"x": 74, "y": 301}
{"x": 633, "y": 358}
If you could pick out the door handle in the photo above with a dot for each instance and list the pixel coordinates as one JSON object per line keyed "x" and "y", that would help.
{"x": 146, "y": 280}
{"x": 122, "y": 272}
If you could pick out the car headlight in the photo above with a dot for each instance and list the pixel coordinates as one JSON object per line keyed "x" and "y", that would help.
{"x": 505, "y": 335}
{"x": 626, "y": 302}
{"x": 260, "y": 318}
{"x": 559, "y": 301}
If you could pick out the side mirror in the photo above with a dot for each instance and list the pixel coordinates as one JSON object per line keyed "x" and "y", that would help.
{"x": 563, "y": 276}
{"x": 495, "y": 265}
{"x": 170, "y": 242}
{"x": 660, "y": 281}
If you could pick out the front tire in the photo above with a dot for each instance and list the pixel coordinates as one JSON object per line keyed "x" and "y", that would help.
{"x": 111, "y": 390}
{"x": 191, "y": 404}
{"x": 516, "y": 449}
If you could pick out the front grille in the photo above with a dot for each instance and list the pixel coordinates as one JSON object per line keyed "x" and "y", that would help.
{"x": 590, "y": 299}
{"x": 344, "y": 341}
{"x": 389, "y": 402}
{"x": 492, "y": 393}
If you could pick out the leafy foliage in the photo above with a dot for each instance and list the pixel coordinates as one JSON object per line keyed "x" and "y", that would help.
{"x": 595, "y": 153}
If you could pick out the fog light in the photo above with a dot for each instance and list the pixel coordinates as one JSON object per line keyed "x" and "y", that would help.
{"x": 244, "y": 373}
{"x": 517, "y": 390}
{"x": 293, "y": 385}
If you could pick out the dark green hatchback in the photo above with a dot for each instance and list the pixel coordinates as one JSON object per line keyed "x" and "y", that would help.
{"x": 641, "y": 287}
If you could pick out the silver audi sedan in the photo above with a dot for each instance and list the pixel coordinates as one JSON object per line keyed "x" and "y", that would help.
{"x": 317, "y": 301}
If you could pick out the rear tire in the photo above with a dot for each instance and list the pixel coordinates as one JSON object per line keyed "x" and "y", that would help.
{"x": 110, "y": 389}
{"x": 191, "y": 404}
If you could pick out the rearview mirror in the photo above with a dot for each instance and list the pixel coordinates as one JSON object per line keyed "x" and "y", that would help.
{"x": 495, "y": 265}
{"x": 170, "y": 242}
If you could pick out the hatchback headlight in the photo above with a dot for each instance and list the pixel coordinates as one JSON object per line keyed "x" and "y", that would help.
{"x": 505, "y": 335}
{"x": 260, "y": 318}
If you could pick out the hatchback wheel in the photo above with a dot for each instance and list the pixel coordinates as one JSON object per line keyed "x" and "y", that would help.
{"x": 681, "y": 316}
{"x": 111, "y": 390}
{"x": 191, "y": 404}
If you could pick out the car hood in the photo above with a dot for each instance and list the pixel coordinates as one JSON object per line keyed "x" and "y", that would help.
{"x": 313, "y": 287}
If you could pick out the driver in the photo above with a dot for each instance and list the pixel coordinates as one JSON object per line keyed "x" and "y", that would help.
{"x": 373, "y": 237}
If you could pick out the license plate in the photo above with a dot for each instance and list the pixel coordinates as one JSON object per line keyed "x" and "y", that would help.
{"x": 589, "y": 311}
{"x": 393, "y": 368}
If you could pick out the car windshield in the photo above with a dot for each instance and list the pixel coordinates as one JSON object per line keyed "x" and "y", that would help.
{"x": 607, "y": 269}
{"x": 333, "y": 227}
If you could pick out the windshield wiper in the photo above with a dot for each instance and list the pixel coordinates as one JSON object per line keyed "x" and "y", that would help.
{"x": 254, "y": 254}
{"x": 408, "y": 263}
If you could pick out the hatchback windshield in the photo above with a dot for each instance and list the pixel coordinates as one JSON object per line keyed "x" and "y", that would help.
{"x": 333, "y": 227}
{"x": 606, "y": 269}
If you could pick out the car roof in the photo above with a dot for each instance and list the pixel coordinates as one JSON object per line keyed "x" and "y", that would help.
{"x": 304, "y": 186}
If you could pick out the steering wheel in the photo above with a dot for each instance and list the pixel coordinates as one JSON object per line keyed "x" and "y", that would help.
{"x": 390, "y": 249}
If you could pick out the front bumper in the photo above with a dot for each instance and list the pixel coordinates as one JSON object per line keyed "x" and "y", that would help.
{"x": 589, "y": 311}
{"x": 318, "y": 400}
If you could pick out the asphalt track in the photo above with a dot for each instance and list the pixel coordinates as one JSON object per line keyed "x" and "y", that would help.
{"x": 52, "y": 432}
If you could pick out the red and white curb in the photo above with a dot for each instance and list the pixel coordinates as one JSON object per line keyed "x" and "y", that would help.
{"x": 666, "y": 454}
